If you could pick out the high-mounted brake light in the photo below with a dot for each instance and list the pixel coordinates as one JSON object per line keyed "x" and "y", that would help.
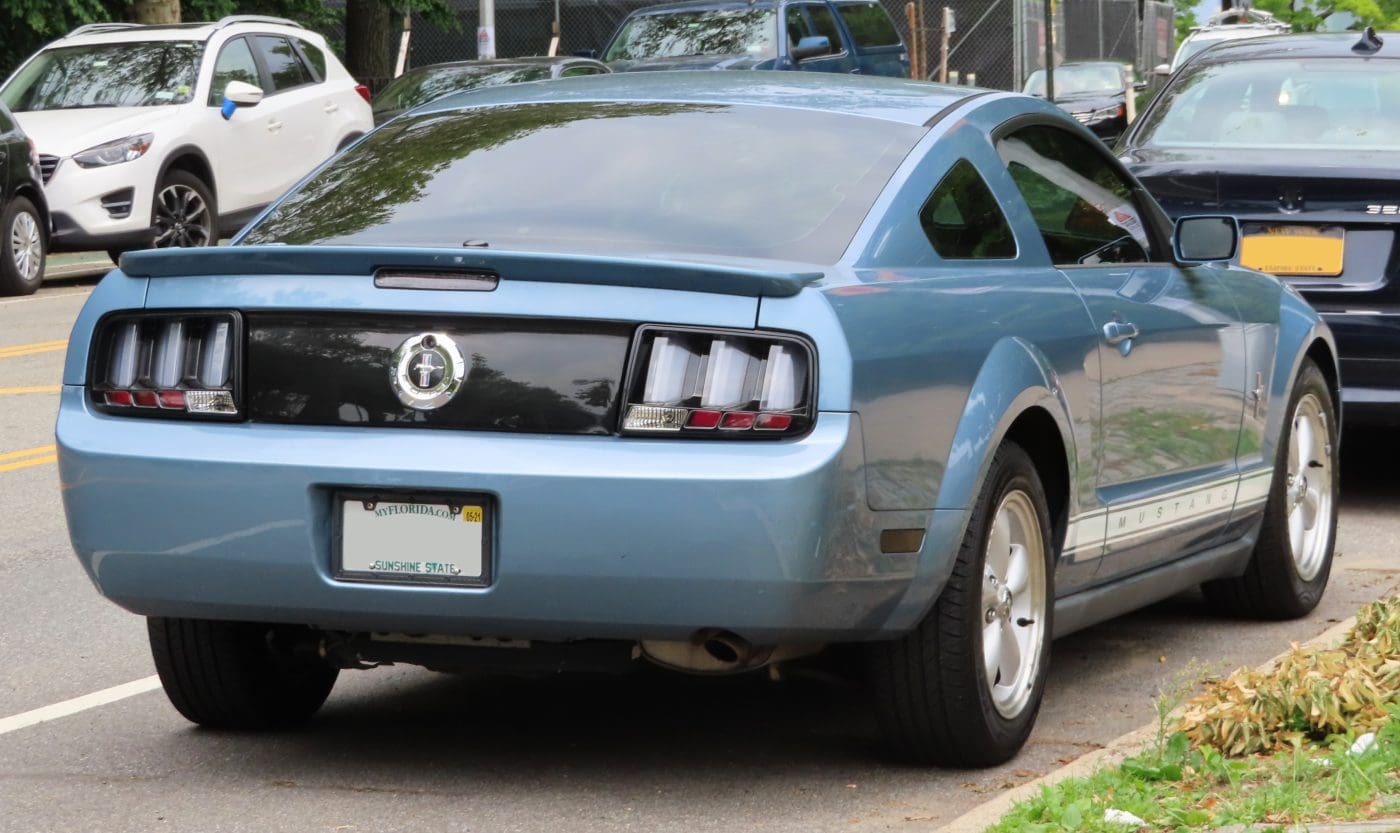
{"x": 719, "y": 383}
{"x": 167, "y": 364}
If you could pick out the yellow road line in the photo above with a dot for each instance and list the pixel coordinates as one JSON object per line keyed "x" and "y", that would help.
{"x": 24, "y": 464}
{"x": 31, "y": 389}
{"x": 30, "y": 349}
{"x": 28, "y": 452}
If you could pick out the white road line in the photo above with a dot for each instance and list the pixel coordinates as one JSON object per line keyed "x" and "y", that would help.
{"x": 44, "y": 714}
{"x": 45, "y": 297}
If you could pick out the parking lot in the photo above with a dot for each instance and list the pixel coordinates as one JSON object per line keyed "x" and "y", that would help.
{"x": 407, "y": 749}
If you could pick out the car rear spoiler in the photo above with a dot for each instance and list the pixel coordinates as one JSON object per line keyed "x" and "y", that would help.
{"x": 655, "y": 273}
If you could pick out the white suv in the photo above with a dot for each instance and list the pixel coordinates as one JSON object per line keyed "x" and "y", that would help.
{"x": 138, "y": 146}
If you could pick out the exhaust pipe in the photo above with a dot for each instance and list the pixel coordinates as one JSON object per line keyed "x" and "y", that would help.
{"x": 714, "y": 651}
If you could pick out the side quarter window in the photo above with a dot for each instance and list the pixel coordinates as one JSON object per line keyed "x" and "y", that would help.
{"x": 235, "y": 63}
{"x": 284, "y": 65}
{"x": 825, "y": 24}
{"x": 1085, "y": 211}
{"x": 314, "y": 56}
{"x": 963, "y": 220}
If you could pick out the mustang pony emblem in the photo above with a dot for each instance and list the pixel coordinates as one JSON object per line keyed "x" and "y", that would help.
{"x": 427, "y": 371}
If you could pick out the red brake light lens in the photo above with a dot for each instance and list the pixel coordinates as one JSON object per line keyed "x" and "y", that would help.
{"x": 167, "y": 364}
{"x": 364, "y": 92}
{"x": 719, "y": 383}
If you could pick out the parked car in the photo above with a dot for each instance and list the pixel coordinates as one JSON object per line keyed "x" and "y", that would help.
{"x": 174, "y": 135}
{"x": 1229, "y": 25}
{"x": 968, "y": 390}
{"x": 1299, "y": 137}
{"x": 423, "y": 84}
{"x": 24, "y": 213}
{"x": 848, "y": 36}
{"x": 1094, "y": 92}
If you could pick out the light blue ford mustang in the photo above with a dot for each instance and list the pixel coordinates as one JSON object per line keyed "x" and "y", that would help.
{"x": 708, "y": 370}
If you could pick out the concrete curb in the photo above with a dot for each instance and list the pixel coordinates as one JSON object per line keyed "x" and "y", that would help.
{"x": 1374, "y": 826}
{"x": 988, "y": 813}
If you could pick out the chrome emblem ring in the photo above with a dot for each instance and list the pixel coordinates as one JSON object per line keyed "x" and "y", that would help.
{"x": 427, "y": 371}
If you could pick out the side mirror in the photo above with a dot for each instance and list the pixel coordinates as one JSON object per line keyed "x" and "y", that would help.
{"x": 811, "y": 46}
{"x": 239, "y": 94}
{"x": 1206, "y": 239}
{"x": 1162, "y": 69}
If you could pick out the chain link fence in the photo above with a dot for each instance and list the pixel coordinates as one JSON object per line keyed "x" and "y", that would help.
{"x": 991, "y": 43}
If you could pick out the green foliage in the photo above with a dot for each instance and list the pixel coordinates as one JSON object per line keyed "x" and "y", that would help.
{"x": 1311, "y": 16}
{"x": 1184, "y": 19}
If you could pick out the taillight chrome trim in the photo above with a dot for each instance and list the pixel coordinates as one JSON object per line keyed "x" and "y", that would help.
{"x": 803, "y": 419}
{"x": 100, "y": 351}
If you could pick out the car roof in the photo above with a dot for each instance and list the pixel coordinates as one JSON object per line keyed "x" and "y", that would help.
{"x": 505, "y": 63}
{"x": 1302, "y": 45}
{"x": 133, "y": 33}
{"x": 892, "y": 99}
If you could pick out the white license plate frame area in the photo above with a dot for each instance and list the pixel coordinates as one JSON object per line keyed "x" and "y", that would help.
{"x": 412, "y": 538}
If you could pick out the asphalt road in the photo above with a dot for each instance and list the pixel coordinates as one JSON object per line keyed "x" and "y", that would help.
{"x": 405, "y": 749}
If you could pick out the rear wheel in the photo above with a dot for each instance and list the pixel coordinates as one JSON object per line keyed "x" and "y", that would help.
{"x": 964, "y": 688}
{"x": 238, "y": 675}
{"x": 1292, "y": 560}
{"x": 22, "y": 249}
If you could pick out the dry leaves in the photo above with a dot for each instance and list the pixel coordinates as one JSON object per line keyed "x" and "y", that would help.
{"x": 1311, "y": 693}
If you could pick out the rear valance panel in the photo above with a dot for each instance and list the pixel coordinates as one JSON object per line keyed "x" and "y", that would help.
{"x": 522, "y": 375}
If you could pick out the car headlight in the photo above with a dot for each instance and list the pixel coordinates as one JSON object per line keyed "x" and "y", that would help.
{"x": 113, "y": 153}
{"x": 1104, "y": 113}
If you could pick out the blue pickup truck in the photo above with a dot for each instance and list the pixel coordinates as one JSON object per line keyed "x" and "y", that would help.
{"x": 852, "y": 36}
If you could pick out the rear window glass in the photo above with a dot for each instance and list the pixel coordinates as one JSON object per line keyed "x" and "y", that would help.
{"x": 868, "y": 24}
{"x": 424, "y": 85}
{"x": 1308, "y": 104}
{"x": 598, "y": 177}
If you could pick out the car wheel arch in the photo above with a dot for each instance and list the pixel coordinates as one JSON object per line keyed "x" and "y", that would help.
{"x": 349, "y": 140}
{"x": 1016, "y": 395}
{"x": 36, "y": 197}
{"x": 192, "y": 160}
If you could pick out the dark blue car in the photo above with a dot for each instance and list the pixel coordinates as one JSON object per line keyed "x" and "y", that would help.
{"x": 855, "y": 36}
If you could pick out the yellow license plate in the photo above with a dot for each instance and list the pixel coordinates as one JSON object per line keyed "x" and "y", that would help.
{"x": 1314, "y": 251}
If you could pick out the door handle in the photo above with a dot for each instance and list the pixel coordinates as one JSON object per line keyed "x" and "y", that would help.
{"x": 1117, "y": 332}
{"x": 273, "y": 126}
{"x": 331, "y": 107}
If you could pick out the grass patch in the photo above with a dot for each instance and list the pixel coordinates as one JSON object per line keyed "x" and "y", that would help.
{"x": 1265, "y": 748}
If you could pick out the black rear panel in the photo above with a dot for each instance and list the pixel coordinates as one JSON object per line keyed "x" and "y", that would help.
{"x": 523, "y": 375}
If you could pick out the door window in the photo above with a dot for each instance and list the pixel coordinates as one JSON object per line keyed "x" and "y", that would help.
{"x": 313, "y": 53}
{"x": 962, "y": 218}
{"x": 869, "y": 25}
{"x": 284, "y": 66}
{"x": 797, "y": 27}
{"x": 824, "y": 22}
{"x": 235, "y": 64}
{"x": 1085, "y": 211}
{"x": 573, "y": 72}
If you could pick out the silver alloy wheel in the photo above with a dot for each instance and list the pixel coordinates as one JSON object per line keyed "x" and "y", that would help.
{"x": 182, "y": 218}
{"x": 1308, "y": 487}
{"x": 27, "y": 245}
{"x": 1014, "y": 592}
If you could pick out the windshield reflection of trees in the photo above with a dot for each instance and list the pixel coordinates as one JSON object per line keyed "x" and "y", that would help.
{"x": 117, "y": 75}
{"x": 303, "y": 371}
{"x": 432, "y": 84}
{"x": 736, "y": 32}
{"x": 395, "y": 166}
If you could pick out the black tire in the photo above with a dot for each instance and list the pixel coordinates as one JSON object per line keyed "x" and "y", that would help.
{"x": 20, "y": 219}
{"x": 116, "y": 255}
{"x": 1272, "y": 586}
{"x": 932, "y": 697}
{"x": 169, "y": 231}
{"x": 237, "y": 675}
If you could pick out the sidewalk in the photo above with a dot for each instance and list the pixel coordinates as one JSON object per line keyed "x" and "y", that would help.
{"x": 73, "y": 264}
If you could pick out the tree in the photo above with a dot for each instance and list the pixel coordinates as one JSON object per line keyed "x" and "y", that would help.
{"x": 1185, "y": 18}
{"x": 1311, "y": 15}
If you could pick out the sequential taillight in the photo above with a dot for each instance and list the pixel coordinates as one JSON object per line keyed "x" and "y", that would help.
{"x": 167, "y": 364}
{"x": 719, "y": 383}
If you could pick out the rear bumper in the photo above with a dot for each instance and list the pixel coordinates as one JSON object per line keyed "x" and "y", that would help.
{"x": 1369, "y": 348}
{"x": 596, "y": 537}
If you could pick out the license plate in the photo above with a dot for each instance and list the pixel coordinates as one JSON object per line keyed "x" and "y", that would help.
{"x": 412, "y": 539}
{"x": 1314, "y": 251}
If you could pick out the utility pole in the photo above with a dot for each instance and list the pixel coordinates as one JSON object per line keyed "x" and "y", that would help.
{"x": 1049, "y": 13}
{"x": 486, "y": 29}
